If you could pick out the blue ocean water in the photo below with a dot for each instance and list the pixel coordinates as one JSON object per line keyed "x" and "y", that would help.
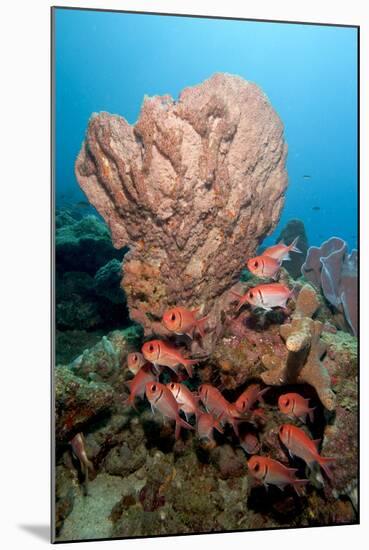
{"x": 107, "y": 61}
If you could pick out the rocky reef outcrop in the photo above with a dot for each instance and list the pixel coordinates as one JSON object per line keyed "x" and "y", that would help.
{"x": 88, "y": 274}
{"x": 192, "y": 188}
{"x": 305, "y": 350}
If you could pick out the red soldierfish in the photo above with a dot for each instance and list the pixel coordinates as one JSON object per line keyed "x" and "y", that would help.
{"x": 183, "y": 321}
{"x": 272, "y": 472}
{"x": 249, "y": 397}
{"x": 217, "y": 405}
{"x": 269, "y": 295}
{"x": 187, "y": 402}
{"x": 161, "y": 353}
{"x": 138, "y": 383}
{"x": 300, "y": 444}
{"x": 250, "y": 443}
{"x": 205, "y": 426}
{"x": 162, "y": 399}
{"x": 281, "y": 251}
{"x": 295, "y": 406}
{"x": 135, "y": 361}
{"x": 79, "y": 449}
{"x": 264, "y": 266}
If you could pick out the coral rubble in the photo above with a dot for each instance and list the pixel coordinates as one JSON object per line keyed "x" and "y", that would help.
{"x": 192, "y": 188}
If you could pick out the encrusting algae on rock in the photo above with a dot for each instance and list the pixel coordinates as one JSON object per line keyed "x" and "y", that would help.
{"x": 193, "y": 188}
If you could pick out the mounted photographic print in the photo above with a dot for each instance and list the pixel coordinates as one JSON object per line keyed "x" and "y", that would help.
{"x": 205, "y": 186}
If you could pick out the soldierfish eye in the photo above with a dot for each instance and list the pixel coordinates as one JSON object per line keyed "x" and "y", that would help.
{"x": 286, "y": 402}
{"x": 257, "y": 467}
{"x": 172, "y": 385}
{"x": 153, "y": 387}
{"x": 134, "y": 357}
{"x": 173, "y": 317}
{"x": 251, "y": 294}
{"x": 151, "y": 347}
{"x": 256, "y": 264}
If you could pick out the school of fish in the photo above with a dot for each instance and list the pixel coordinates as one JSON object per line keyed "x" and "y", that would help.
{"x": 207, "y": 408}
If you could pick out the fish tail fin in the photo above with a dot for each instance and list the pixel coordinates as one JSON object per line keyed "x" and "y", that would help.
{"x": 90, "y": 467}
{"x": 217, "y": 425}
{"x": 325, "y": 463}
{"x": 180, "y": 423}
{"x": 130, "y": 401}
{"x": 311, "y": 413}
{"x": 200, "y": 325}
{"x": 187, "y": 363}
{"x": 234, "y": 423}
{"x": 261, "y": 393}
{"x": 293, "y": 248}
{"x": 299, "y": 485}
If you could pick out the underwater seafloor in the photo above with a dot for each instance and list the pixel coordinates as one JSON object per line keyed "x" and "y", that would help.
{"x": 144, "y": 482}
{"x": 186, "y": 199}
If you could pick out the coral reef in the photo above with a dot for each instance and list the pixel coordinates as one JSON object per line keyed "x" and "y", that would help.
{"x": 76, "y": 402}
{"x": 192, "y": 188}
{"x": 148, "y": 484}
{"x": 88, "y": 273}
{"x": 331, "y": 269}
{"x": 74, "y": 241}
{"x": 305, "y": 350}
{"x": 293, "y": 229}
